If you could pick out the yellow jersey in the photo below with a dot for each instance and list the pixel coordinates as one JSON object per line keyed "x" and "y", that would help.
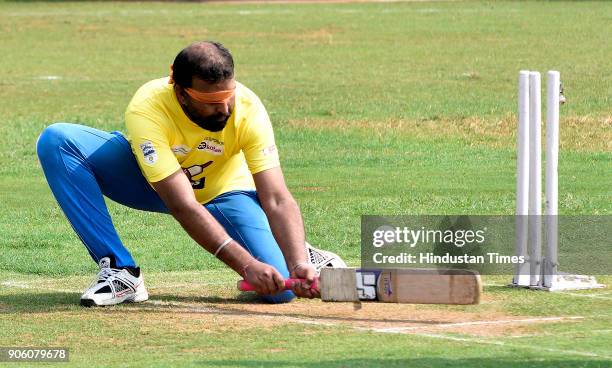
{"x": 164, "y": 140}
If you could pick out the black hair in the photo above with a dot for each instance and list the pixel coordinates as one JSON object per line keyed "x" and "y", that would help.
{"x": 206, "y": 60}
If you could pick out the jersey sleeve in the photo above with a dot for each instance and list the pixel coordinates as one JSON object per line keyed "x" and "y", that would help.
{"x": 151, "y": 146}
{"x": 258, "y": 143}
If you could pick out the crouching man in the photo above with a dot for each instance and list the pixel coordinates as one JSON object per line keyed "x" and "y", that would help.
{"x": 200, "y": 147}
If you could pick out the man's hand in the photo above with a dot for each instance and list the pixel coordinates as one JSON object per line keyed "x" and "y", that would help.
{"x": 264, "y": 278}
{"x": 304, "y": 271}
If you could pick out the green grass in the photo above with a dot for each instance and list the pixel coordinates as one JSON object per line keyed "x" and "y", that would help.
{"x": 378, "y": 108}
{"x": 208, "y": 324}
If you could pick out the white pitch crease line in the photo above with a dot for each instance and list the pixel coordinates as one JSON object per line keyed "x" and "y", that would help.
{"x": 23, "y": 285}
{"x": 27, "y": 285}
{"x": 476, "y": 323}
{"x": 49, "y": 77}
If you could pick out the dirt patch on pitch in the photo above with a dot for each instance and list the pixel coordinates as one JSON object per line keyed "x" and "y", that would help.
{"x": 198, "y": 306}
{"x": 367, "y": 317}
{"x": 191, "y": 312}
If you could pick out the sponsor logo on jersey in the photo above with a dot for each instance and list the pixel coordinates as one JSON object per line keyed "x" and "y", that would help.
{"x": 181, "y": 150}
{"x": 148, "y": 152}
{"x": 269, "y": 150}
{"x": 212, "y": 146}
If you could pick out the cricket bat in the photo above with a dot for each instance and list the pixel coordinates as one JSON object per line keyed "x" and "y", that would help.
{"x": 414, "y": 286}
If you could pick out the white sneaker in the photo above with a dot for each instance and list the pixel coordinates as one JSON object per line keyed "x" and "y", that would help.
{"x": 322, "y": 258}
{"x": 114, "y": 286}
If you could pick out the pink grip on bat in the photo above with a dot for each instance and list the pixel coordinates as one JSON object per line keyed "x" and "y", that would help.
{"x": 245, "y": 286}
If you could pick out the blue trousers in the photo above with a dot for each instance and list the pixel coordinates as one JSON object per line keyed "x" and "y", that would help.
{"x": 83, "y": 164}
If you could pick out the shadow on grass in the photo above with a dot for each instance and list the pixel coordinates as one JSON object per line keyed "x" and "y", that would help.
{"x": 417, "y": 362}
{"x": 503, "y": 289}
{"x": 243, "y": 298}
{"x": 34, "y": 302}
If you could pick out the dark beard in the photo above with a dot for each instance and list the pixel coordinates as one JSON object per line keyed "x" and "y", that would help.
{"x": 214, "y": 123}
{"x": 211, "y": 124}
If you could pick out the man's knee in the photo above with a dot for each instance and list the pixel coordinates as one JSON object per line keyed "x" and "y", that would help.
{"x": 51, "y": 137}
{"x": 283, "y": 297}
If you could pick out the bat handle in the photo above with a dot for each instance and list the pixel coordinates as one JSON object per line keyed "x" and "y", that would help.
{"x": 245, "y": 286}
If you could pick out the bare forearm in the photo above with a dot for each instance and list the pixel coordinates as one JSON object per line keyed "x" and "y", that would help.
{"x": 207, "y": 232}
{"x": 288, "y": 229}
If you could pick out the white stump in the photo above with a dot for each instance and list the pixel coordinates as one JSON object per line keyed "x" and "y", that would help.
{"x": 521, "y": 276}
{"x": 535, "y": 178}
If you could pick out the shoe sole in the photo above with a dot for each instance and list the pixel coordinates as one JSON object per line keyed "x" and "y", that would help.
{"x": 136, "y": 299}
